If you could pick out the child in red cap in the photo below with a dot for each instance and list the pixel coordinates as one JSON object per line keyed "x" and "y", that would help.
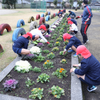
{"x": 39, "y": 32}
{"x": 90, "y": 68}
{"x": 21, "y": 44}
{"x": 73, "y": 43}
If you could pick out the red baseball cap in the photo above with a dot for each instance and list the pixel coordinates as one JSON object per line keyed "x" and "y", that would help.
{"x": 28, "y": 34}
{"x": 83, "y": 51}
{"x": 66, "y": 36}
{"x": 70, "y": 22}
{"x": 42, "y": 27}
{"x": 68, "y": 18}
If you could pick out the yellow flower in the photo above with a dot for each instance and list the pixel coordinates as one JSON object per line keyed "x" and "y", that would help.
{"x": 51, "y": 52}
{"x": 47, "y": 60}
{"x": 39, "y": 88}
{"x": 55, "y": 95}
{"x": 32, "y": 90}
{"x": 45, "y": 63}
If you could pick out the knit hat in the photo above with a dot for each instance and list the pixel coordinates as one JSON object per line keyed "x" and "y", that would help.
{"x": 83, "y": 51}
{"x": 66, "y": 36}
{"x": 85, "y": 1}
{"x": 42, "y": 27}
{"x": 28, "y": 34}
{"x": 70, "y": 22}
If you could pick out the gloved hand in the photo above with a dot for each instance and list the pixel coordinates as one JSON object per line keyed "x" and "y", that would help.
{"x": 77, "y": 17}
{"x": 48, "y": 42}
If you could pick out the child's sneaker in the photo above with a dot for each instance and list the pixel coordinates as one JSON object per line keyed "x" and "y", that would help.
{"x": 70, "y": 51}
{"x": 90, "y": 89}
{"x": 75, "y": 55}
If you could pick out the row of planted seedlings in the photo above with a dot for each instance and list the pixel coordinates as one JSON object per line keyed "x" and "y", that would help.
{"x": 45, "y": 74}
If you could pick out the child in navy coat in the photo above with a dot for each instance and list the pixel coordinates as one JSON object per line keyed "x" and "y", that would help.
{"x": 90, "y": 68}
{"x": 21, "y": 44}
{"x": 73, "y": 43}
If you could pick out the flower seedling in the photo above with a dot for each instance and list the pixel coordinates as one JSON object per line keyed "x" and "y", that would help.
{"x": 29, "y": 82}
{"x": 54, "y": 37}
{"x": 56, "y": 91}
{"x": 59, "y": 39}
{"x": 61, "y": 53}
{"x": 45, "y": 51}
{"x": 40, "y": 44}
{"x": 51, "y": 41}
{"x": 36, "y": 69}
{"x": 63, "y": 61}
{"x": 55, "y": 49}
{"x": 22, "y": 66}
{"x": 60, "y": 73}
{"x": 57, "y": 44}
{"x": 51, "y": 55}
{"x": 48, "y": 64}
{"x": 36, "y": 93}
{"x": 50, "y": 45}
{"x": 61, "y": 33}
{"x": 43, "y": 78}
{"x": 54, "y": 34}
{"x": 39, "y": 58}
{"x": 66, "y": 42}
{"x": 10, "y": 85}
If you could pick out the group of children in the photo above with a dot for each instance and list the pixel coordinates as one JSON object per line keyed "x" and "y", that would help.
{"x": 90, "y": 66}
{"x": 89, "y": 71}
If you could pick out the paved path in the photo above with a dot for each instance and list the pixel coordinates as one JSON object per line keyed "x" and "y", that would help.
{"x": 94, "y": 47}
{"x": 7, "y": 11}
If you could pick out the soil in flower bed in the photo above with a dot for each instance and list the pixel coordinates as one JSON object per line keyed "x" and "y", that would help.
{"x": 64, "y": 83}
{"x": 24, "y": 91}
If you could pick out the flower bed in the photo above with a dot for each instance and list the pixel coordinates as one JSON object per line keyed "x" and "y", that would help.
{"x": 63, "y": 84}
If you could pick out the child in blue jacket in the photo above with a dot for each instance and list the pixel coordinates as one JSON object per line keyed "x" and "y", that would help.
{"x": 90, "y": 68}
{"x": 21, "y": 44}
{"x": 86, "y": 20}
{"x": 73, "y": 43}
{"x": 71, "y": 14}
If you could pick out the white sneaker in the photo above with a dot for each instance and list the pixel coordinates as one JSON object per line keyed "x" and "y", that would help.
{"x": 87, "y": 41}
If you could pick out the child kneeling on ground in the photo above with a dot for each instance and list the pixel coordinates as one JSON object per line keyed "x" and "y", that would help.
{"x": 89, "y": 72}
{"x": 73, "y": 43}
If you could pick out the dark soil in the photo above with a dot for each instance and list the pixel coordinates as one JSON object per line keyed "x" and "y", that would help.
{"x": 64, "y": 83}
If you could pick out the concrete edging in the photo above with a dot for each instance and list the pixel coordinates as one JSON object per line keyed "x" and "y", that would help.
{"x": 76, "y": 89}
